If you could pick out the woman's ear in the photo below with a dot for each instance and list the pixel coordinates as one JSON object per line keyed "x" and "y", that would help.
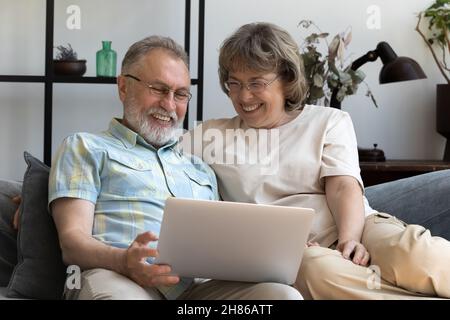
{"x": 122, "y": 86}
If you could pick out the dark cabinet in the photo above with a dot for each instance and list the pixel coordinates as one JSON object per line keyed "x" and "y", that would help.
{"x": 378, "y": 172}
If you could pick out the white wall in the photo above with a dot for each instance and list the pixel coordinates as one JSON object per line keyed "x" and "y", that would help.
{"x": 76, "y": 107}
{"x": 403, "y": 126}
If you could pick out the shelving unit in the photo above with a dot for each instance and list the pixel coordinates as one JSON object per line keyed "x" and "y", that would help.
{"x": 49, "y": 78}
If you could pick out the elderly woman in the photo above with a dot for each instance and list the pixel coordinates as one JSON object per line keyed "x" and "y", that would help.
{"x": 280, "y": 151}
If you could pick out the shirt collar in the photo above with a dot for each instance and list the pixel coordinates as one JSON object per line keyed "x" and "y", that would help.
{"x": 130, "y": 138}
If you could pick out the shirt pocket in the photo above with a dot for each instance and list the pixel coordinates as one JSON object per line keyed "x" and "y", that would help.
{"x": 128, "y": 175}
{"x": 201, "y": 185}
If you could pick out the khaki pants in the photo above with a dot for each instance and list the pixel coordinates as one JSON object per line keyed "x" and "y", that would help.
{"x": 104, "y": 284}
{"x": 406, "y": 263}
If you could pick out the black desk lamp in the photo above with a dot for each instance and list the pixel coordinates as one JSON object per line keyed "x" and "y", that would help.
{"x": 394, "y": 69}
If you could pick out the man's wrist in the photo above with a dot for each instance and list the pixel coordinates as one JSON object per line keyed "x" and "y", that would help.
{"x": 120, "y": 263}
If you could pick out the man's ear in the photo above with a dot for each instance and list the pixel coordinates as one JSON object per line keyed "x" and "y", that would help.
{"x": 122, "y": 86}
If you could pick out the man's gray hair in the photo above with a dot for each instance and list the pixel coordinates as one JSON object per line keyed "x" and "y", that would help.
{"x": 144, "y": 46}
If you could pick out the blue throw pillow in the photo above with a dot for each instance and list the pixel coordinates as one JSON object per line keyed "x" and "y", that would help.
{"x": 40, "y": 272}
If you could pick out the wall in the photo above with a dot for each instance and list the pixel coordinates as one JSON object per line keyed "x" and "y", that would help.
{"x": 76, "y": 107}
{"x": 403, "y": 126}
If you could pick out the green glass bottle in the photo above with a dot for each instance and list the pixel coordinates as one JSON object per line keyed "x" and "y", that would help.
{"x": 106, "y": 61}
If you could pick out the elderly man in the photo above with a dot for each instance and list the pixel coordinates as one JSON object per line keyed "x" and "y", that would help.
{"x": 107, "y": 191}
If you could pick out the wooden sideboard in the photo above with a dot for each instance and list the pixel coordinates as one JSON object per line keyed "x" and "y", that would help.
{"x": 378, "y": 172}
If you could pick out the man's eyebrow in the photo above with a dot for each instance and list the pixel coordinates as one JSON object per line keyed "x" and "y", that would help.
{"x": 157, "y": 81}
{"x": 162, "y": 83}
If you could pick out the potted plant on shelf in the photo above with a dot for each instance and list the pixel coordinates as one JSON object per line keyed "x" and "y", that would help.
{"x": 325, "y": 73}
{"x": 438, "y": 41}
{"x": 67, "y": 63}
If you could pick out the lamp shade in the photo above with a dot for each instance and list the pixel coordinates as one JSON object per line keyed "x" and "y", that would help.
{"x": 397, "y": 68}
{"x": 394, "y": 68}
{"x": 402, "y": 69}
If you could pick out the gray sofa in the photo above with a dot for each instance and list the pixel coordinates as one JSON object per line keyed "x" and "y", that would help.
{"x": 31, "y": 264}
{"x": 3, "y": 291}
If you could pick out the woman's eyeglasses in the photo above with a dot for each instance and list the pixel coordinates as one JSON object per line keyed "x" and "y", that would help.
{"x": 256, "y": 86}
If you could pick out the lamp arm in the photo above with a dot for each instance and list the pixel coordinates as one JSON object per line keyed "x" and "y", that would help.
{"x": 369, "y": 56}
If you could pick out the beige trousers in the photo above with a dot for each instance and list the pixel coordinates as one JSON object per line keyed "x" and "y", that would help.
{"x": 102, "y": 284}
{"x": 406, "y": 263}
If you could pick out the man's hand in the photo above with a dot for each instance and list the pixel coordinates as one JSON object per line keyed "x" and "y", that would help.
{"x": 354, "y": 251}
{"x": 17, "y": 200}
{"x": 140, "y": 271}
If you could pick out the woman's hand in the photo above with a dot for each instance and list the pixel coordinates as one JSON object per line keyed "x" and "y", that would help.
{"x": 345, "y": 200}
{"x": 354, "y": 251}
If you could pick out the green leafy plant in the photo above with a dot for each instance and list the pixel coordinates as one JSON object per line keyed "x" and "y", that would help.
{"x": 66, "y": 53}
{"x": 325, "y": 73}
{"x": 438, "y": 16}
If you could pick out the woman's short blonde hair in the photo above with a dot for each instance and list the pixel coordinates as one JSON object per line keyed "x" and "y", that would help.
{"x": 265, "y": 47}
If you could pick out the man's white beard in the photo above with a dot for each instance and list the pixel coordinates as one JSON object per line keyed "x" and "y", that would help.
{"x": 151, "y": 131}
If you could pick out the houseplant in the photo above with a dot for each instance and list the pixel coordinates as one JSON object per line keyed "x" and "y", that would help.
{"x": 438, "y": 41}
{"x": 67, "y": 63}
{"x": 325, "y": 73}
{"x": 438, "y": 16}
{"x": 331, "y": 73}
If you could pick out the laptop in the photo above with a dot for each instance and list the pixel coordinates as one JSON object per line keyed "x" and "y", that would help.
{"x": 233, "y": 241}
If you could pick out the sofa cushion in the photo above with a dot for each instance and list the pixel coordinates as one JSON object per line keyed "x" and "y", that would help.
{"x": 8, "y": 244}
{"x": 39, "y": 273}
{"x": 421, "y": 199}
{"x": 3, "y": 291}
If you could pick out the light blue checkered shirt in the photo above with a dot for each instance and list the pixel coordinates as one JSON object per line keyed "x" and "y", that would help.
{"x": 129, "y": 181}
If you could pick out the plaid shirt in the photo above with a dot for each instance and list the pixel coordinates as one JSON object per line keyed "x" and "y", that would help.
{"x": 128, "y": 180}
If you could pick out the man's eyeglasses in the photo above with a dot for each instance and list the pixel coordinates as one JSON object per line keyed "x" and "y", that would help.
{"x": 256, "y": 86}
{"x": 159, "y": 90}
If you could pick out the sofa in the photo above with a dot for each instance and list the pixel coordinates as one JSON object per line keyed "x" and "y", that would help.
{"x": 31, "y": 265}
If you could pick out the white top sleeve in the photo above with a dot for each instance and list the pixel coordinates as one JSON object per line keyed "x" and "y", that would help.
{"x": 340, "y": 151}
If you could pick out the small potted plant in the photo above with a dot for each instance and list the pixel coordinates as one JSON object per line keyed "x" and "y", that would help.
{"x": 438, "y": 41}
{"x": 325, "y": 73}
{"x": 67, "y": 63}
